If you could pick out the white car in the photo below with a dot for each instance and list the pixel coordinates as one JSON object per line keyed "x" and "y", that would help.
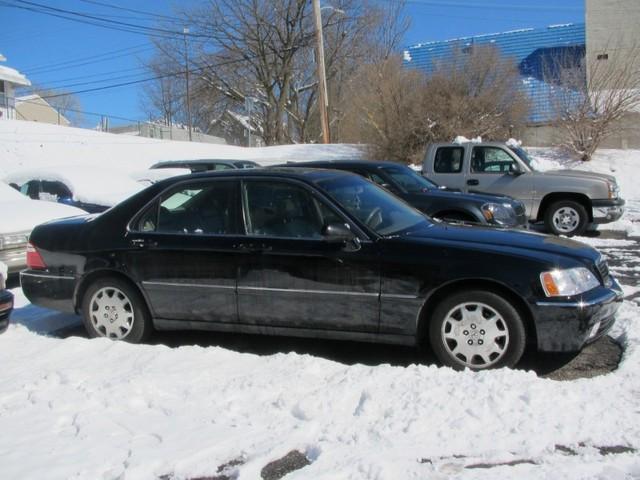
{"x": 92, "y": 189}
{"x": 19, "y": 216}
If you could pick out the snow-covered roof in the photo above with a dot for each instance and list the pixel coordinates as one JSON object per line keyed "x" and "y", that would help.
{"x": 13, "y": 76}
{"x": 99, "y": 186}
{"x": 30, "y": 98}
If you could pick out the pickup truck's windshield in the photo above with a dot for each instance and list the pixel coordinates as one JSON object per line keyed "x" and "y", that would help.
{"x": 524, "y": 156}
{"x": 373, "y": 206}
{"x": 408, "y": 179}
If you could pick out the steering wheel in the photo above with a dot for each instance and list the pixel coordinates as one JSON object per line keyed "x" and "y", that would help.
{"x": 372, "y": 215}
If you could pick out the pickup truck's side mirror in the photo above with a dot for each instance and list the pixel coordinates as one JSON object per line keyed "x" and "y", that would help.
{"x": 515, "y": 170}
{"x": 338, "y": 233}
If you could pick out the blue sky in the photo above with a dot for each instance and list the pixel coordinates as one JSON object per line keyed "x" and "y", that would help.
{"x": 54, "y": 52}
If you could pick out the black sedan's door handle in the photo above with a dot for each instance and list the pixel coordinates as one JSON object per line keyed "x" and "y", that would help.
{"x": 473, "y": 181}
{"x": 143, "y": 243}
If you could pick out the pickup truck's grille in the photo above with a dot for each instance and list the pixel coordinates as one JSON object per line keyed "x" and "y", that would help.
{"x": 603, "y": 270}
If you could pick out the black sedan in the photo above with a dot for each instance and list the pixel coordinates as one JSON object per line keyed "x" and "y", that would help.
{"x": 428, "y": 197}
{"x": 318, "y": 253}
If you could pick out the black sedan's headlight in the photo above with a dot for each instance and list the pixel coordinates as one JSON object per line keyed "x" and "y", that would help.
{"x": 500, "y": 214}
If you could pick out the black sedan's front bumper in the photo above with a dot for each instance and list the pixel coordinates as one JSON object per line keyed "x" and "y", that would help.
{"x": 6, "y": 306}
{"x": 568, "y": 324}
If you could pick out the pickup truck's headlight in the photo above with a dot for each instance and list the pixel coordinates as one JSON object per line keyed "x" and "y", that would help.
{"x": 499, "y": 213}
{"x": 614, "y": 190}
{"x": 572, "y": 281}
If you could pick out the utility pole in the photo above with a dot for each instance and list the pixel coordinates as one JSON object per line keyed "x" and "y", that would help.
{"x": 322, "y": 75}
{"x": 185, "y": 31}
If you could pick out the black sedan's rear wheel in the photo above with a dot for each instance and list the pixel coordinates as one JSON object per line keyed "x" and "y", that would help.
{"x": 477, "y": 330}
{"x": 112, "y": 308}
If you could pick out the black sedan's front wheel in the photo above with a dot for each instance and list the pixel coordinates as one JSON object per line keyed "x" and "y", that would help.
{"x": 112, "y": 308}
{"x": 478, "y": 329}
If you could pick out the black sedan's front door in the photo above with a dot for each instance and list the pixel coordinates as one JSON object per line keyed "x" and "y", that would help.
{"x": 289, "y": 276}
{"x": 183, "y": 252}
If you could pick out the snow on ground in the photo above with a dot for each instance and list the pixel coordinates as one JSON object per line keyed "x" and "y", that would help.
{"x": 78, "y": 408}
{"x": 31, "y": 145}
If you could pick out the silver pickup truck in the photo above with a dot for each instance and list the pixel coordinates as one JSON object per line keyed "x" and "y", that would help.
{"x": 567, "y": 201}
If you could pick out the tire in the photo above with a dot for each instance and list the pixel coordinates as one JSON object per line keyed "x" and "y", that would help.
{"x": 460, "y": 318}
{"x": 123, "y": 313}
{"x": 566, "y": 217}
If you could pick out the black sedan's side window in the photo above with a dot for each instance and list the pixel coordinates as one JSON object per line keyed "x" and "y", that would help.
{"x": 205, "y": 208}
{"x": 279, "y": 209}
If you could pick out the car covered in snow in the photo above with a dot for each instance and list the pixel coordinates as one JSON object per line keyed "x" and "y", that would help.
{"x": 567, "y": 201}
{"x": 91, "y": 189}
{"x": 318, "y": 253}
{"x": 21, "y": 215}
{"x": 149, "y": 177}
{"x": 6, "y": 298}
{"x": 428, "y": 197}
{"x": 206, "y": 165}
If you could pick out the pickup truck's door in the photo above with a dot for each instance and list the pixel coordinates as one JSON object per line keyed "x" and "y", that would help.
{"x": 448, "y": 167}
{"x": 492, "y": 170}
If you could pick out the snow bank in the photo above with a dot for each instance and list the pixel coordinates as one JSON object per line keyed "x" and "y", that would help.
{"x": 102, "y": 409}
{"x": 33, "y": 145}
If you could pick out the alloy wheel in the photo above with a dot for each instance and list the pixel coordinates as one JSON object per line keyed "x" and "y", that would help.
{"x": 566, "y": 219}
{"x": 111, "y": 313}
{"x": 475, "y": 334}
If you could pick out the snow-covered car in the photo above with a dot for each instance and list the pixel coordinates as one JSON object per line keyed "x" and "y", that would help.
{"x": 6, "y": 299}
{"x": 21, "y": 216}
{"x": 92, "y": 189}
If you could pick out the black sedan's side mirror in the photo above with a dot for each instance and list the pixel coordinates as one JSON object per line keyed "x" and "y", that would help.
{"x": 338, "y": 233}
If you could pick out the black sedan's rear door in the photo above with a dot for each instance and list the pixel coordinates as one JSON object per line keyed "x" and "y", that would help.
{"x": 183, "y": 252}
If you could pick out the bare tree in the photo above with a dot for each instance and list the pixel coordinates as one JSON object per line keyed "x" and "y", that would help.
{"x": 263, "y": 50}
{"x": 589, "y": 97}
{"x": 164, "y": 97}
{"x": 399, "y": 110}
{"x": 387, "y": 109}
{"x": 476, "y": 92}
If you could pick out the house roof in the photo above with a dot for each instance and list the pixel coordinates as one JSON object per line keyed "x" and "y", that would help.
{"x": 12, "y": 75}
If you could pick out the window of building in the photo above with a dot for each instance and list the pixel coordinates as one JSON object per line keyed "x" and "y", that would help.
{"x": 603, "y": 56}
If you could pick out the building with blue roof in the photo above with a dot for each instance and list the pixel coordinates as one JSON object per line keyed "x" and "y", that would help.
{"x": 530, "y": 48}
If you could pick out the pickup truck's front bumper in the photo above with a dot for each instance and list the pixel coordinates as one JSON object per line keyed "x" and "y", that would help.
{"x": 568, "y": 324}
{"x": 608, "y": 210}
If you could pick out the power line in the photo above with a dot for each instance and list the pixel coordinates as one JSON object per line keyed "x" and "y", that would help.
{"x": 95, "y": 20}
{"x": 442, "y": 3}
{"x": 125, "y": 9}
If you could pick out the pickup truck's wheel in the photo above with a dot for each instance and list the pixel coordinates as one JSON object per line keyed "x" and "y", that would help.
{"x": 566, "y": 217}
{"x": 478, "y": 329}
{"x": 113, "y": 309}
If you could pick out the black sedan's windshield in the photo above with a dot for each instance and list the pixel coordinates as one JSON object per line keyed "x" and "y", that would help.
{"x": 375, "y": 207}
{"x": 408, "y": 179}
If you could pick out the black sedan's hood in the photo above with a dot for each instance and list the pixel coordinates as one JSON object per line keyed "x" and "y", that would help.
{"x": 476, "y": 236}
{"x": 458, "y": 196}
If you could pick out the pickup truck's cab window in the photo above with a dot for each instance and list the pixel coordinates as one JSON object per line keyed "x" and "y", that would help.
{"x": 491, "y": 160}
{"x": 448, "y": 160}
